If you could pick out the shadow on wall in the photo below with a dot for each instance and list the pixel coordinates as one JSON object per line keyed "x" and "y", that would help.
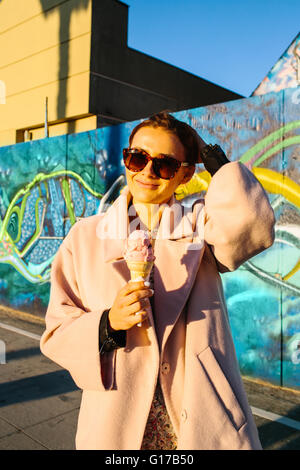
{"x": 65, "y": 12}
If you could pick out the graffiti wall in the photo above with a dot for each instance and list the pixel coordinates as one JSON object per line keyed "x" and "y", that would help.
{"x": 47, "y": 185}
{"x": 285, "y": 73}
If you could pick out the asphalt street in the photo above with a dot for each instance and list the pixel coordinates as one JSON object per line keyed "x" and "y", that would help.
{"x": 39, "y": 402}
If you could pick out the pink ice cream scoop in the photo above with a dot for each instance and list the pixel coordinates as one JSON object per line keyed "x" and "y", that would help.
{"x": 139, "y": 247}
{"x": 139, "y": 256}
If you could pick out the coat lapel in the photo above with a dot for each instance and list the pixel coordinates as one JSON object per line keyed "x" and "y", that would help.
{"x": 178, "y": 250}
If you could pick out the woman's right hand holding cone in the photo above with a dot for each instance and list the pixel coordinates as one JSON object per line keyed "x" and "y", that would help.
{"x": 132, "y": 298}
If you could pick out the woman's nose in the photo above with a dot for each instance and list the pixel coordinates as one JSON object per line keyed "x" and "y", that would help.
{"x": 148, "y": 170}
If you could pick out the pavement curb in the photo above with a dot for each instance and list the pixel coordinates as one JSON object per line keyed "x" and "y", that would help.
{"x": 262, "y": 383}
{"x": 22, "y": 315}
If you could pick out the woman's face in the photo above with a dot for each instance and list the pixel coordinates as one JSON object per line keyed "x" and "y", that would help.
{"x": 145, "y": 186}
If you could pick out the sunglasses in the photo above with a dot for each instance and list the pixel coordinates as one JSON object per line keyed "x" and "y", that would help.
{"x": 164, "y": 167}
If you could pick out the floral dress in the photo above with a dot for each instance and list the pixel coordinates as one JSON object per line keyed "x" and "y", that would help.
{"x": 159, "y": 433}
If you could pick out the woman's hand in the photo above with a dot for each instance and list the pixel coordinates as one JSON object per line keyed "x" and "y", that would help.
{"x": 132, "y": 298}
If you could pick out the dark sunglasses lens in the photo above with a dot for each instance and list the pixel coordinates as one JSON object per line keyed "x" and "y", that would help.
{"x": 166, "y": 167}
{"x": 135, "y": 161}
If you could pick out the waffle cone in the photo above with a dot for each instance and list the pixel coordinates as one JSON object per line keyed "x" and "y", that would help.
{"x": 139, "y": 270}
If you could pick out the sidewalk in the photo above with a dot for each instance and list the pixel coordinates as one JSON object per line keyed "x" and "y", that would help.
{"x": 284, "y": 402}
{"x": 39, "y": 402}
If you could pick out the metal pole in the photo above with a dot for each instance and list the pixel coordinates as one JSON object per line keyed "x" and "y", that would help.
{"x": 46, "y": 118}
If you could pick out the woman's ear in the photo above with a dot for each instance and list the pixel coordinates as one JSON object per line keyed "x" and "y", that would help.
{"x": 189, "y": 171}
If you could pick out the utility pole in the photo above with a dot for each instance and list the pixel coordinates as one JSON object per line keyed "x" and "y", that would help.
{"x": 46, "y": 118}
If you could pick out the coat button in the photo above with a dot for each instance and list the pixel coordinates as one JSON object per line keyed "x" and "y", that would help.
{"x": 165, "y": 368}
{"x": 183, "y": 415}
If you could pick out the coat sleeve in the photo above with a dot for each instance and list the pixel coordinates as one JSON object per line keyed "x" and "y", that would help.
{"x": 71, "y": 337}
{"x": 239, "y": 220}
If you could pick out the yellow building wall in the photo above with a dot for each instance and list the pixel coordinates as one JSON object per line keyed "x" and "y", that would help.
{"x": 68, "y": 127}
{"x": 45, "y": 52}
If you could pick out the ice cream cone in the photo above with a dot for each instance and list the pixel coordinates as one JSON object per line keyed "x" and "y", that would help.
{"x": 139, "y": 256}
{"x": 139, "y": 269}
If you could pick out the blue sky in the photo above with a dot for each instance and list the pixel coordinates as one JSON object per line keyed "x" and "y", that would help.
{"x": 233, "y": 43}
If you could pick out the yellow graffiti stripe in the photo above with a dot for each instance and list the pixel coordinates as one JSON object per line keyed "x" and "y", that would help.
{"x": 199, "y": 182}
{"x": 271, "y": 180}
{"x": 292, "y": 272}
{"x": 276, "y": 183}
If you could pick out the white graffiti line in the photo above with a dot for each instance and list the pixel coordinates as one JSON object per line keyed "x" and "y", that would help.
{"x": 20, "y": 266}
{"x": 295, "y": 356}
{"x": 265, "y": 276}
{"x": 120, "y": 181}
{"x": 293, "y": 229}
{"x": 296, "y": 96}
{"x": 283, "y": 241}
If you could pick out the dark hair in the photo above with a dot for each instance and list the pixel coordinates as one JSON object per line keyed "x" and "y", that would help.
{"x": 185, "y": 133}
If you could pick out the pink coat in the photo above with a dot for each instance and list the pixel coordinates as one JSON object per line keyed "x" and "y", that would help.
{"x": 191, "y": 348}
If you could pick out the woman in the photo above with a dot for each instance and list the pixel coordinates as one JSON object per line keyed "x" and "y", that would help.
{"x": 174, "y": 381}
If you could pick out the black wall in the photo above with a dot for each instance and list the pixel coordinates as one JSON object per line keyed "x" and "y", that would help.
{"x": 126, "y": 84}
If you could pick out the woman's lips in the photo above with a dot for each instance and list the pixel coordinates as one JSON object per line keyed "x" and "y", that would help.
{"x": 146, "y": 185}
